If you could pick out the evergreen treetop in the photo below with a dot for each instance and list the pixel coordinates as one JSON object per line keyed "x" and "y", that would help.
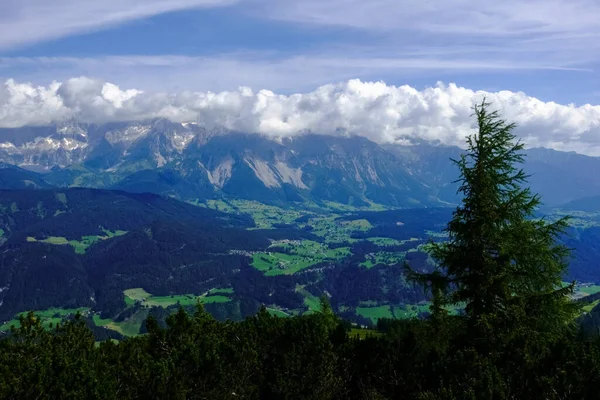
{"x": 501, "y": 261}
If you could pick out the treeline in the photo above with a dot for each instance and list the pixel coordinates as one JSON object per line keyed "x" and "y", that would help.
{"x": 307, "y": 357}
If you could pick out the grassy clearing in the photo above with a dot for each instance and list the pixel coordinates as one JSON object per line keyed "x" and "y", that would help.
{"x": 303, "y": 254}
{"x": 148, "y": 300}
{"x": 49, "y": 317}
{"x": 6, "y": 327}
{"x": 332, "y": 229}
{"x": 589, "y": 307}
{"x": 101, "y": 321}
{"x": 80, "y": 246}
{"x": 591, "y": 289}
{"x": 62, "y": 198}
{"x": 221, "y": 290}
{"x": 136, "y": 294}
{"x": 264, "y": 216}
{"x": 374, "y": 313}
{"x": 382, "y": 258}
{"x": 358, "y": 225}
{"x": 363, "y": 333}
{"x": 220, "y": 205}
{"x": 56, "y": 312}
{"x": 409, "y": 311}
{"x": 311, "y": 301}
{"x": 383, "y": 241}
{"x": 335, "y": 206}
{"x": 277, "y": 313}
{"x": 436, "y": 234}
{"x": 131, "y": 326}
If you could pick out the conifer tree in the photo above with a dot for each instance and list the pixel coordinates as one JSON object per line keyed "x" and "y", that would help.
{"x": 501, "y": 262}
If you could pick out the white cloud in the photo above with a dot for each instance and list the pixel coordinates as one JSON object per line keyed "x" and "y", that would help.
{"x": 28, "y": 21}
{"x": 378, "y": 111}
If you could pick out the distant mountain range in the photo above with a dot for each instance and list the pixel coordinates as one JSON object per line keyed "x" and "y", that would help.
{"x": 189, "y": 162}
{"x": 88, "y": 212}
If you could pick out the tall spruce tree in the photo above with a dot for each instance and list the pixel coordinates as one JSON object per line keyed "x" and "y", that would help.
{"x": 501, "y": 262}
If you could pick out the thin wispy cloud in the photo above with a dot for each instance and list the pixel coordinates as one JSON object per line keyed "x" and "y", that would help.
{"x": 553, "y": 33}
{"x": 254, "y": 69}
{"x": 484, "y": 18}
{"x": 564, "y": 32}
{"x": 29, "y": 21}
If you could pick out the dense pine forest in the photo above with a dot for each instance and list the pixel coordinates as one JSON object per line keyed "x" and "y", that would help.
{"x": 502, "y": 325}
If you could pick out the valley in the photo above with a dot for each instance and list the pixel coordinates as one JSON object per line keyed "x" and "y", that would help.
{"x": 353, "y": 255}
{"x": 135, "y": 221}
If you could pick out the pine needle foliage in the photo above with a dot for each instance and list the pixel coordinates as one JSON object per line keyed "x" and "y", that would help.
{"x": 501, "y": 261}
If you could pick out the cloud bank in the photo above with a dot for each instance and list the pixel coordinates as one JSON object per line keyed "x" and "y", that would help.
{"x": 380, "y": 112}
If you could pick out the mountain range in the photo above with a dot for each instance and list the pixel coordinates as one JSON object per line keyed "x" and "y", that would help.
{"x": 187, "y": 161}
{"x": 90, "y": 213}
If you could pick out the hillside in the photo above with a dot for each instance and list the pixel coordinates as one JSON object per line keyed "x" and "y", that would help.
{"x": 73, "y": 248}
{"x": 83, "y": 247}
{"x": 13, "y": 177}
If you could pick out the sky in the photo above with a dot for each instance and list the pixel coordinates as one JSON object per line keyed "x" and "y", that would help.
{"x": 382, "y": 68}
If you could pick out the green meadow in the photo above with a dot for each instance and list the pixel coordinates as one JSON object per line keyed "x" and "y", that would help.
{"x": 302, "y": 254}
{"x": 148, "y": 300}
{"x": 80, "y": 246}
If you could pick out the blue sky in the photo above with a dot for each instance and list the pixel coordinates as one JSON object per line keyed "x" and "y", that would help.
{"x": 548, "y": 49}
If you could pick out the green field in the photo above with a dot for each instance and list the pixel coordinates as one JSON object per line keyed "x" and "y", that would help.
{"x": 335, "y": 206}
{"x": 266, "y": 215}
{"x": 382, "y": 258}
{"x": 137, "y": 294}
{"x": 101, "y": 322}
{"x": 132, "y": 325}
{"x": 80, "y": 246}
{"x": 331, "y": 229}
{"x": 363, "y": 333}
{"x": 592, "y": 289}
{"x": 129, "y": 327}
{"x": 311, "y": 301}
{"x": 588, "y": 307}
{"x": 49, "y": 317}
{"x": 303, "y": 254}
{"x": 383, "y": 241}
{"x": 374, "y": 313}
{"x": 220, "y": 205}
{"x": 357, "y": 225}
{"x": 221, "y": 290}
{"x": 148, "y": 300}
{"x": 410, "y": 311}
{"x": 277, "y": 313}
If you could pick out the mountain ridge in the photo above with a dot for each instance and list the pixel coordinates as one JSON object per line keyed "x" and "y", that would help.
{"x": 187, "y": 161}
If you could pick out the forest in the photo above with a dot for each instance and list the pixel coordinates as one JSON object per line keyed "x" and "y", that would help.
{"x": 501, "y": 324}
